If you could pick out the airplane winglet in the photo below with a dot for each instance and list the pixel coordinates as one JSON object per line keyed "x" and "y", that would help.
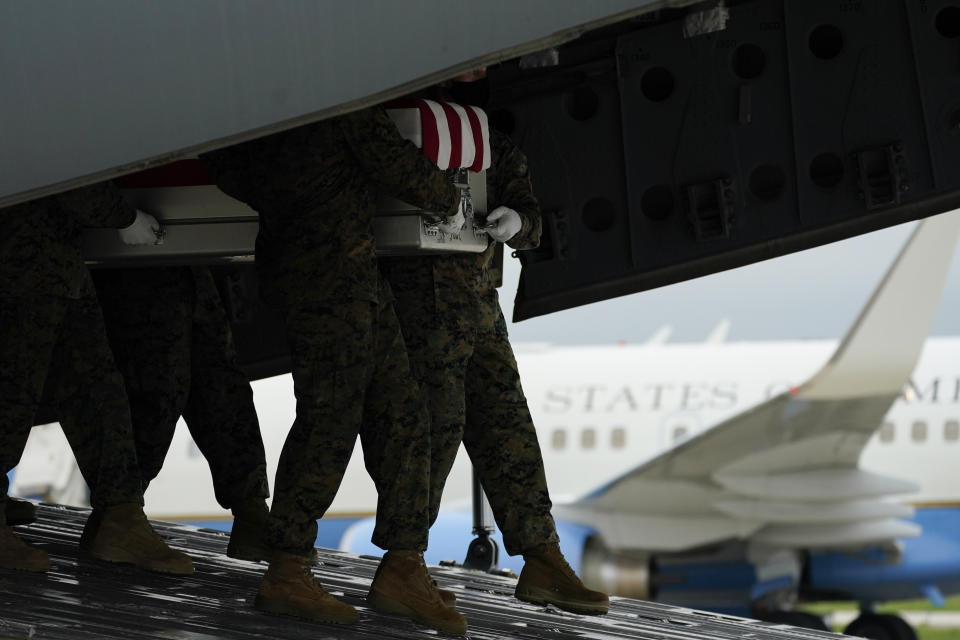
{"x": 719, "y": 333}
{"x": 883, "y": 346}
{"x": 660, "y": 336}
{"x": 787, "y": 467}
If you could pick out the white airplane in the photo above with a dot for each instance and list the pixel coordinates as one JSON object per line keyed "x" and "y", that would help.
{"x": 769, "y": 473}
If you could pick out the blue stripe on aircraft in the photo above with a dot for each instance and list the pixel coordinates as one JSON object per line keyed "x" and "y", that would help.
{"x": 929, "y": 560}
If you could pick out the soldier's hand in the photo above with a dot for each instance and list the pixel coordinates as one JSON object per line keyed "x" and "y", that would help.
{"x": 144, "y": 230}
{"x": 508, "y": 224}
{"x": 452, "y": 224}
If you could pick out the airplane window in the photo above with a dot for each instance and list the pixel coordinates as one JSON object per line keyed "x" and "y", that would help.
{"x": 679, "y": 433}
{"x": 951, "y": 430}
{"x": 918, "y": 431}
{"x": 588, "y": 438}
{"x": 886, "y": 432}
{"x": 618, "y": 438}
{"x": 559, "y": 440}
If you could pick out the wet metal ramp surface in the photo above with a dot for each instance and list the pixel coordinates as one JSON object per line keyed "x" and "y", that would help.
{"x": 82, "y": 598}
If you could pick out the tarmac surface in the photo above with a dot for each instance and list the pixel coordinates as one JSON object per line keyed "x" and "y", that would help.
{"x": 80, "y": 598}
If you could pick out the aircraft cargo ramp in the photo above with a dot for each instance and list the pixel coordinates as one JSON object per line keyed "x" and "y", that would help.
{"x": 81, "y": 598}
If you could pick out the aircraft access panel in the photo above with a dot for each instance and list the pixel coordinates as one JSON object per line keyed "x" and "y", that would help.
{"x": 659, "y": 153}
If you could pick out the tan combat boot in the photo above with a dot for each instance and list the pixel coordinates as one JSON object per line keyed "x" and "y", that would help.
{"x": 19, "y": 512}
{"x": 289, "y": 589}
{"x": 246, "y": 536}
{"x": 123, "y": 534}
{"x": 548, "y": 579}
{"x": 18, "y": 555}
{"x": 403, "y": 587}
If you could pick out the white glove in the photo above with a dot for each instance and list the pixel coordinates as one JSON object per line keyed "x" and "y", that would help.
{"x": 508, "y": 224}
{"x": 452, "y": 224}
{"x": 144, "y": 230}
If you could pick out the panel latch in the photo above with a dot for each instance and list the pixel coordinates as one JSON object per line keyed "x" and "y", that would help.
{"x": 881, "y": 175}
{"x": 710, "y": 207}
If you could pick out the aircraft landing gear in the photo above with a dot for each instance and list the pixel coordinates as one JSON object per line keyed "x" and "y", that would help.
{"x": 881, "y": 626}
{"x": 483, "y": 554}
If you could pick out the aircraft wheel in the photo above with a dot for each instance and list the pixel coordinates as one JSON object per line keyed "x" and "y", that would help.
{"x": 881, "y": 626}
{"x": 903, "y": 629}
{"x": 795, "y": 618}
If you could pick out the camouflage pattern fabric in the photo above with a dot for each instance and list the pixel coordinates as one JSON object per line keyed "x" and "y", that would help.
{"x": 40, "y": 240}
{"x": 174, "y": 347}
{"x": 55, "y": 349}
{"x": 464, "y": 285}
{"x": 52, "y": 341}
{"x": 315, "y": 189}
{"x": 8, "y": 442}
{"x": 460, "y": 352}
{"x": 351, "y": 375}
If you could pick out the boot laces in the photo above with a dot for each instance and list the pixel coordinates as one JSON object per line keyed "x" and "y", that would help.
{"x": 553, "y": 556}
{"x": 307, "y": 575}
{"x": 147, "y": 532}
{"x": 424, "y": 576}
{"x": 421, "y": 575}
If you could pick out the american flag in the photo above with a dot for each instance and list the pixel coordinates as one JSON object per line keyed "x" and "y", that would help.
{"x": 452, "y": 135}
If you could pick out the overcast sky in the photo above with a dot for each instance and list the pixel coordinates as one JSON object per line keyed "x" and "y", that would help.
{"x": 811, "y": 294}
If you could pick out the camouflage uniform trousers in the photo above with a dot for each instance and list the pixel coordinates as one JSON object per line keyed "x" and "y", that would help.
{"x": 351, "y": 376}
{"x": 173, "y": 345}
{"x": 471, "y": 385}
{"x": 55, "y": 349}
{"x": 11, "y": 443}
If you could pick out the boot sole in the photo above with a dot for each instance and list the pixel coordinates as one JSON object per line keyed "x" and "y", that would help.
{"x": 544, "y": 596}
{"x": 284, "y": 609}
{"x": 117, "y": 556}
{"x": 385, "y": 604}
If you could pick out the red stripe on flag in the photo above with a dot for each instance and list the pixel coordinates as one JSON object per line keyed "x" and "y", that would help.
{"x": 456, "y": 135}
{"x": 431, "y": 137}
{"x": 477, "y": 138}
{"x": 182, "y": 173}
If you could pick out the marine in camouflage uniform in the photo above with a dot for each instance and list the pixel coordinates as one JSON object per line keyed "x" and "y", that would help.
{"x": 174, "y": 347}
{"x": 457, "y": 340}
{"x": 53, "y": 348}
{"x": 50, "y": 322}
{"x": 173, "y": 344}
{"x": 315, "y": 188}
{"x": 460, "y": 352}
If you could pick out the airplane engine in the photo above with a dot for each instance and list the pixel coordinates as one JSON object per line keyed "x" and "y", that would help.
{"x": 719, "y": 578}
{"x": 623, "y": 573}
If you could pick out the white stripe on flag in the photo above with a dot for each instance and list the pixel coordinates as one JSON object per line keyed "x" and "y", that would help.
{"x": 443, "y": 134}
{"x": 468, "y": 146}
{"x": 485, "y": 133}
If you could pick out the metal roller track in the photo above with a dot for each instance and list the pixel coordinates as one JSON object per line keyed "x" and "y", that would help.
{"x": 81, "y": 598}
